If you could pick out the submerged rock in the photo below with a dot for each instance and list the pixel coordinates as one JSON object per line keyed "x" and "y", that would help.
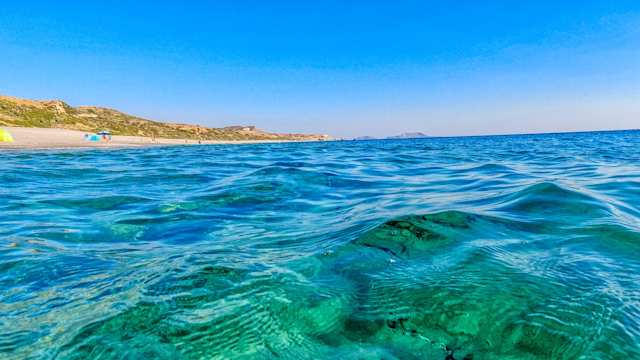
{"x": 412, "y": 235}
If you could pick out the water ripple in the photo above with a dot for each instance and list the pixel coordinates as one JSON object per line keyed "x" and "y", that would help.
{"x": 486, "y": 248}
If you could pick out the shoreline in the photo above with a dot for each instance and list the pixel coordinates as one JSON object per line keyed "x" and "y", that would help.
{"x": 56, "y": 138}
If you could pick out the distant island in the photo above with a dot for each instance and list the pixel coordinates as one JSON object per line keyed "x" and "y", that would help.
{"x": 406, "y": 135}
{"x": 17, "y": 112}
{"x": 409, "y": 135}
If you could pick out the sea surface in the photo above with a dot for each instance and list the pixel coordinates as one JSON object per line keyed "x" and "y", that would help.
{"x": 504, "y": 247}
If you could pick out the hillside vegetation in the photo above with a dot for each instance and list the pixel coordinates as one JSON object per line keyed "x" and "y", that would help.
{"x": 58, "y": 114}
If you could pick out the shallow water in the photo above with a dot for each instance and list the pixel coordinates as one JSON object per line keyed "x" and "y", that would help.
{"x": 512, "y": 247}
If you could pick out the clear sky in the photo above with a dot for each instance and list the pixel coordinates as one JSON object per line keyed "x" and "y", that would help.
{"x": 347, "y": 68}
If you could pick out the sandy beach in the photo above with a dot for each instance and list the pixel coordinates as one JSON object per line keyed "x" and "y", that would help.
{"x": 45, "y": 138}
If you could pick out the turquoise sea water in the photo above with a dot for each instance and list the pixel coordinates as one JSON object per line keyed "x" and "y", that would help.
{"x": 512, "y": 247}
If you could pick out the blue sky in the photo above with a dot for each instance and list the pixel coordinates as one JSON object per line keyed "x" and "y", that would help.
{"x": 346, "y": 68}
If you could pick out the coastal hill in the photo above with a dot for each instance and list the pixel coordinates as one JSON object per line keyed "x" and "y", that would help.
{"x": 16, "y": 112}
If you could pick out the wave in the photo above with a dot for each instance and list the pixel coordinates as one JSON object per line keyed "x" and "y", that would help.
{"x": 445, "y": 284}
{"x": 486, "y": 248}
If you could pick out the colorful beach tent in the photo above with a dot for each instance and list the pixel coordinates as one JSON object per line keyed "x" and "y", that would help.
{"x": 5, "y": 136}
{"x": 94, "y": 137}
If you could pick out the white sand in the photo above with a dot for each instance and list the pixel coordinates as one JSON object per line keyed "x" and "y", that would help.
{"x": 41, "y": 138}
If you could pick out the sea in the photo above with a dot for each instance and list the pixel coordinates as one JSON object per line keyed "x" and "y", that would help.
{"x": 497, "y": 247}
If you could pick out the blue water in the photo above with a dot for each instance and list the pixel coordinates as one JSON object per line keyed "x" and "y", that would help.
{"x": 507, "y": 247}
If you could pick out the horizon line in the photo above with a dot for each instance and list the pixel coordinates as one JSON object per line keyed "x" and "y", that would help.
{"x": 491, "y": 135}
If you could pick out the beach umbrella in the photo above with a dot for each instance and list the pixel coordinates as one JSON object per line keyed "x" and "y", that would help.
{"x": 5, "y": 136}
{"x": 105, "y": 134}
